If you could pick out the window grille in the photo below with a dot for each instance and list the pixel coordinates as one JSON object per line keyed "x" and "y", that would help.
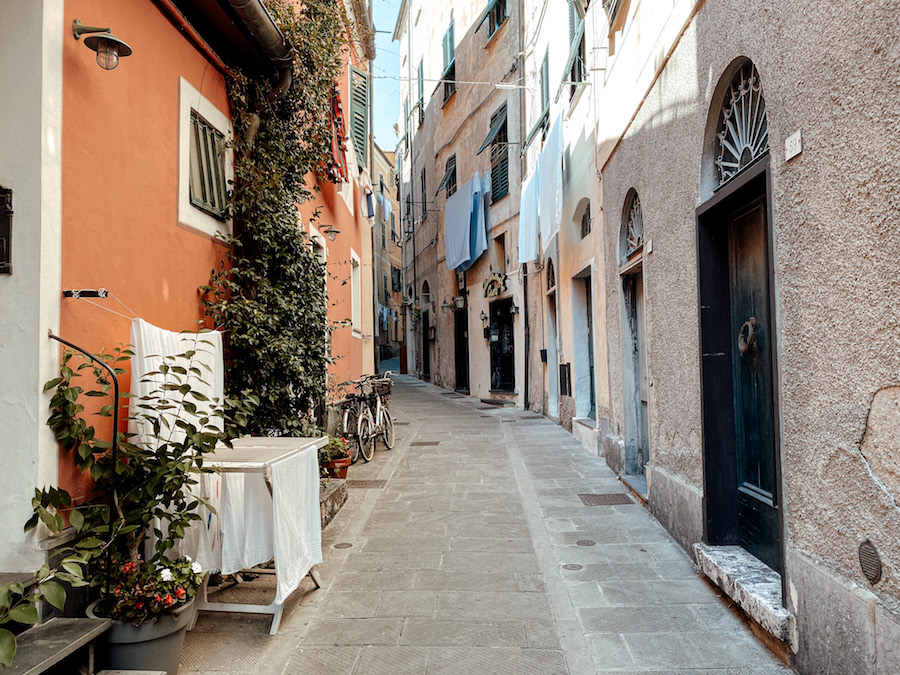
{"x": 207, "y": 183}
{"x": 633, "y": 229}
{"x": 586, "y": 221}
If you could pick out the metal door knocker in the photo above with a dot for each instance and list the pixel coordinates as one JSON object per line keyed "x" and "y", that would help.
{"x": 747, "y": 337}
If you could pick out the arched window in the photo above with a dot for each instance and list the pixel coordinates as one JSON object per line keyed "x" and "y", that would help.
{"x": 551, "y": 275}
{"x": 632, "y": 227}
{"x": 742, "y": 134}
{"x": 426, "y": 293}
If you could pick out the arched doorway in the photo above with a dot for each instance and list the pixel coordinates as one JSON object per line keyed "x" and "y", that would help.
{"x": 634, "y": 340}
{"x": 426, "y": 332}
{"x": 737, "y": 323}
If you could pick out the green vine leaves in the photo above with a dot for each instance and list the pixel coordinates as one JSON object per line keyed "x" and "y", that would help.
{"x": 269, "y": 292}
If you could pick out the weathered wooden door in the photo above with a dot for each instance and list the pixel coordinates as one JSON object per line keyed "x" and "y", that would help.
{"x": 426, "y": 345}
{"x": 753, "y": 385}
{"x": 503, "y": 359}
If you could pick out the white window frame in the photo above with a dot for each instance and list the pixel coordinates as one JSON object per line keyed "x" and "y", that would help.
{"x": 190, "y": 216}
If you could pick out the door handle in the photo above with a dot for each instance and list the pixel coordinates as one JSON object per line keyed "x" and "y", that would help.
{"x": 747, "y": 337}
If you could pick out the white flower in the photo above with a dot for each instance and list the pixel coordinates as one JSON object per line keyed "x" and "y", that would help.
{"x": 195, "y": 568}
{"x": 166, "y": 574}
{"x": 188, "y": 558}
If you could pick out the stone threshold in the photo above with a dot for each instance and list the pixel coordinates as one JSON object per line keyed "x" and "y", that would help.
{"x": 753, "y": 585}
{"x": 636, "y": 483}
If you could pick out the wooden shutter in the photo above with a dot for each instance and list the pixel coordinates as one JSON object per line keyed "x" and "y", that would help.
{"x": 359, "y": 114}
{"x": 499, "y": 157}
{"x": 545, "y": 82}
{"x": 421, "y": 83}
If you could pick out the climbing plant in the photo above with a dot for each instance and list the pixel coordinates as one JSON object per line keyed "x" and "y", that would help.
{"x": 268, "y": 294}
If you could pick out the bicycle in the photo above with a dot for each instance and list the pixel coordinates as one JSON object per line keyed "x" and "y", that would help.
{"x": 355, "y": 424}
{"x": 366, "y": 414}
{"x": 384, "y": 423}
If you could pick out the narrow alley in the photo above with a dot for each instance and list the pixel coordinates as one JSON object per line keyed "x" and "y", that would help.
{"x": 471, "y": 548}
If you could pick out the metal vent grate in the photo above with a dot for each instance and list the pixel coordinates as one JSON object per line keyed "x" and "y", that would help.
{"x": 425, "y": 443}
{"x": 870, "y": 561}
{"x": 605, "y": 499}
{"x": 377, "y": 484}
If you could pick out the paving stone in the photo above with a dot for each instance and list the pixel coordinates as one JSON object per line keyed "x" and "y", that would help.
{"x": 466, "y": 581}
{"x": 393, "y": 661}
{"x": 609, "y": 572}
{"x": 382, "y": 544}
{"x": 352, "y": 632}
{"x": 542, "y": 634}
{"x": 239, "y": 651}
{"x": 406, "y": 603}
{"x": 418, "y": 560}
{"x": 530, "y": 583}
{"x": 633, "y": 593}
{"x": 652, "y": 619}
{"x": 374, "y": 580}
{"x": 322, "y": 661}
{"x": 470, "y": 561}
{"x": 458, "y": 661}
{"x": 349, "y": 605}
{"x": 609, "y": 651}
{"x": 486, "y": 544}
{"x": 464, "y": 632}
{"x": 488, "y": 605}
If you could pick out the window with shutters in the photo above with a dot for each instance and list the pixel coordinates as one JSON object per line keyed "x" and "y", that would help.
{"x": 405, "y": 125}
{"x": 543, "y": 121}
{"x": 208, "y": 190}
{"x": 576, "y": 43}
{"x": 420, "y": 104}
{"x": 424, "y": 202}
{"x": 448, "y": 182}
{"x": 393, "y": 228}
{"x": 359, "y": 114}
{"x": 383, "y": 236}
{"x": 586, "y": 221}
{"x": 499, "y": 156}
{"x": 386, "y": 293}
{"x": 449, "y": 75}
{"x": 396, "y": 283}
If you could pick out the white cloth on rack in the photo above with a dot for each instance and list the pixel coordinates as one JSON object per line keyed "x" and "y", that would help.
{"x": 298, "y": 524}
{"x": 551, "y": 184}
{"x": 247, "y": 521}
{"x": 457, "y": 223}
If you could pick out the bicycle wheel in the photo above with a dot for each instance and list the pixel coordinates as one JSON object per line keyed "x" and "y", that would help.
{"x": 350, "y": 428}
{"x": 366, "y": 437}
{"x": 387, "y": 428}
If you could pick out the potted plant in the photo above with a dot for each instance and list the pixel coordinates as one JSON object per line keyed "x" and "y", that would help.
{"x": 143, "y": 501}
{"x": 334, "y": 457}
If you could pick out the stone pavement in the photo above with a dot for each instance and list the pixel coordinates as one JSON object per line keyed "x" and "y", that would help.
{"x": 479, "y": 556}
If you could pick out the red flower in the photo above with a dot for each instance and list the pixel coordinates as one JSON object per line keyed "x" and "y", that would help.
{"x": 180, "y": 592}
{"x": 157, "y": 599}
{"x": 127, "y": 567}
{"x": 139, "y": 605}
{"x": 169, "y": 600}
{"x": 118, "y": 589}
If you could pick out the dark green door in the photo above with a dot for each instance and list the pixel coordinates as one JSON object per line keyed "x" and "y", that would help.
{"x": 753, "y": 386}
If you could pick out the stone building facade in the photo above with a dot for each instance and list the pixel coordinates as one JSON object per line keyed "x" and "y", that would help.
{"x": 712, "y": 310}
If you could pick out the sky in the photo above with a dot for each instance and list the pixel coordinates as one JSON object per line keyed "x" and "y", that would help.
{"x": 385, "y": 89}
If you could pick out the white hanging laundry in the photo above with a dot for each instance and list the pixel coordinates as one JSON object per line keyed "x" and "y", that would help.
{"x": 551, "y": 187}
{"x": 528, "y": 219}
{"x": 457, "y": 223}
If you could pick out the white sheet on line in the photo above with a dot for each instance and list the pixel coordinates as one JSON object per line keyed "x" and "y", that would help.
{"x": 298, "y": 525}
{"x": 151, "y": 345}
{"x": 528, "y": 219}
{"x": 457, "y": 223}
{"x": 247, "y": 522}
{"x": 550, "y": 188}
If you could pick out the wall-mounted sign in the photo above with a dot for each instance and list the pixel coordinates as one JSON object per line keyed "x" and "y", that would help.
{"x": 494, "y": 285}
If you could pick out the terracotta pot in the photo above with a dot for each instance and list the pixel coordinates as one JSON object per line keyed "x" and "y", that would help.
{"x": 154, "y": 645}
{"x": 336, "y": 468}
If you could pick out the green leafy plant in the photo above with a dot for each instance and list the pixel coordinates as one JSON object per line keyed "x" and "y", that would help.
{"x": 336, "y": 448}
{"x": 269, "y": 292}
{"x": 143, "y": 492}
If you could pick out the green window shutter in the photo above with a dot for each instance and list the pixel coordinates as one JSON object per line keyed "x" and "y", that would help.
{"x": 545, "y": 82}
{"x": 421, "y": 83}
{"x": 359, "y": 114}
{"x": 572, "y": 20}
{"x": 449, "y": 47}
{"x": 499, "y": 156}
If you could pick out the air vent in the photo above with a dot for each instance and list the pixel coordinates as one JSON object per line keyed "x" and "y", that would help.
{"x": 870, "y": 561}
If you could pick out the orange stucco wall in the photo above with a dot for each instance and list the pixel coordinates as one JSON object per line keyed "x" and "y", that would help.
{"x": 119, "y": 178}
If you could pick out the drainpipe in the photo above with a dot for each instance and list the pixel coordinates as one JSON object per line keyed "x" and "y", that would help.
{"x": 273, "y": 44}
{"x": 526, "y": 402}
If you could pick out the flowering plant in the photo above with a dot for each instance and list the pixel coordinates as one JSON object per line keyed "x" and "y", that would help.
{"x": 143, "y": 591}
{"x": 336, "y": 448}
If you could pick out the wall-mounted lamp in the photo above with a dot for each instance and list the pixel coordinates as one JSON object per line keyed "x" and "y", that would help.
{"x": 109, "y": 48}
{"x": 513, "y": 310}
{"x": 452, "y": 304}
{"x": 331, "y": 232}
{"x": 484, "y": 316}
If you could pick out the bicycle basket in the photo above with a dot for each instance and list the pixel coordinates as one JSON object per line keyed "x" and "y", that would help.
{"x": 383, "y": 387}
{"x": 365, "y": 388}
